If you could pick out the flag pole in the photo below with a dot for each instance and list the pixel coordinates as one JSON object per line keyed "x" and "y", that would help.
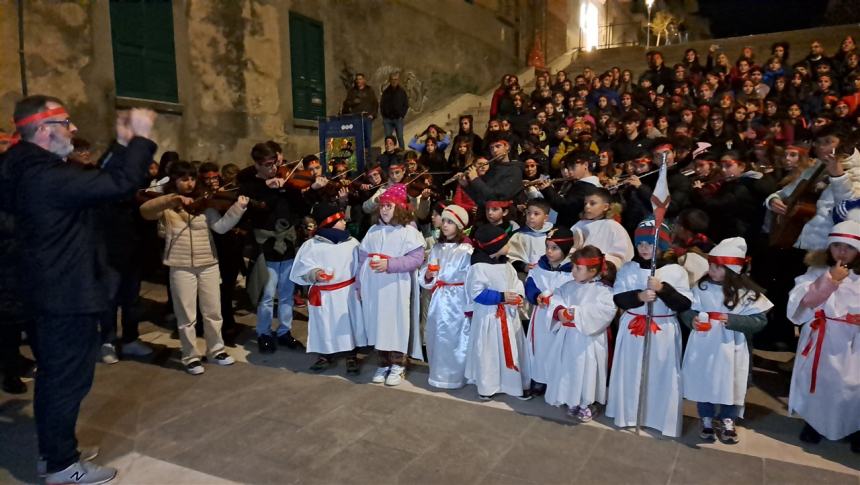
{"x": 643, "y": 377}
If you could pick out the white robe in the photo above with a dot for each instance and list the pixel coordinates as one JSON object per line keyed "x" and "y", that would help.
{"x": 528, "y": 246}
{"x": 606, "y": 235}
{"x": 716, "y": 362}
{"x": 539, "y": 339}
{"x": 390, "y": 301}
{"x": 663, "y": 389}
{"x": 486, "y": 363}
{"x": 447, "y": 327}
{"x": 834, "y": 408}
{"x": 578, "y": 358}
{"x": 337, "y": 325}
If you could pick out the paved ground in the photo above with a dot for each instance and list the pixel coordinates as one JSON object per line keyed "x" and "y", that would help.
{"x": 267, "y": 420}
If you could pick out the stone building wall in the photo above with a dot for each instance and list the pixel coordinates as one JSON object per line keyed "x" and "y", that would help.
{"x": 233, "y": 63}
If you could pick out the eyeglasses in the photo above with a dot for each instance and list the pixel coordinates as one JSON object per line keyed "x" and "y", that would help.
{"x": 66, "y": 122}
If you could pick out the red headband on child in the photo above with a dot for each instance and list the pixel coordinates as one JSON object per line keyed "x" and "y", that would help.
{"x": 331, "y": 219}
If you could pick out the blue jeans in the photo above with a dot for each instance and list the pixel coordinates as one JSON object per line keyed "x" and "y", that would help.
{"x": 709, "y": 410}
{"x": 279, "y": 281}
{"x": 390, "y": 125}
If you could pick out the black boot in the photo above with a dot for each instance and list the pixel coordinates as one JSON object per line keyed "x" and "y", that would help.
{"x": 288, "y": 341}
{"x": 809, "y": 435}
{"x": 855, "y": 442}
{"x": 266, "y": 344}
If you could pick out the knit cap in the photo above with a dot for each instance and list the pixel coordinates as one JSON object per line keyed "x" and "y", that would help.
{"x": 396, "y": 194}
{"x": 457, "y": 215}
{"x": 645, "y": 233}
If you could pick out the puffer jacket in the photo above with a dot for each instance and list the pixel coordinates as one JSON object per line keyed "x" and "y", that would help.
{"x": 187, "y": 240}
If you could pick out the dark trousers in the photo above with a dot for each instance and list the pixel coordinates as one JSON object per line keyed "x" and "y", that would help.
{"x": 67, "y": 348}
{"x": 10, "y": 349}
{"x": 230, "y": 264}
{"x": 127, "y": 298}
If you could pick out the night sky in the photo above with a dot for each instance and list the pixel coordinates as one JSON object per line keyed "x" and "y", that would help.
{"x": 730, "y": 18}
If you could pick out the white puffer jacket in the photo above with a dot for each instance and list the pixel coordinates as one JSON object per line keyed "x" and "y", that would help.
{"x": 187, "y": 239}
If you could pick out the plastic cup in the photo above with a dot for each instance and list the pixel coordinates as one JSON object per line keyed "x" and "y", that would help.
{"x": 433, "y": 265}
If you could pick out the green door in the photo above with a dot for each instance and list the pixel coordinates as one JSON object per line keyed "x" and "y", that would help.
{"x": 308, "y": 67}
{"x": 143, "y": 53}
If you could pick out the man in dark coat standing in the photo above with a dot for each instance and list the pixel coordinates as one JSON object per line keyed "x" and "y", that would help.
{"x": 394, "y": 106}
{"x": 55, "y": 205}
{"x": 361, "y": 100}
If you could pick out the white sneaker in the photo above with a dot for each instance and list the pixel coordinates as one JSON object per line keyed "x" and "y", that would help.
{"x": 195, "y": 368}
{"x": 109, "y": 354}
{"x": 223, "y": 358}
{"x": 136, "y": 349}
{"x": 395, "y": 377}
{"x": 379, "y": 375}
{"x": 88, "y": 453}
{"x": 82, "y": 472}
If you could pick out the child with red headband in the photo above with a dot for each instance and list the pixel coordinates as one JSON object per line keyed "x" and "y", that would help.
{"x": 826, "y": 303}
{"x": 580, "y": 312}
{"x": 443, "y": 276}
{"x": 496, "y": 361}
{"x": 498, "y": 213}
{"x": 328, "y": 263}
{"x": 389, "y": 255}
{"x": 551, "y": 271}
{"x": 669, "y": 292}
{"x": 728, "y": 308}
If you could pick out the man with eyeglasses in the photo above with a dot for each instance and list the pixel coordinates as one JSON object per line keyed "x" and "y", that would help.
{"x": 55, "y": 206}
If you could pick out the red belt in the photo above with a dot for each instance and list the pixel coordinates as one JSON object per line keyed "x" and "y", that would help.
{"x": 506, "y": 337}
{"x": 440, "y": 284}
{"x": 314, "y": 296}
{"x": 819, "y": 325}
{"x": 637, "y": 325}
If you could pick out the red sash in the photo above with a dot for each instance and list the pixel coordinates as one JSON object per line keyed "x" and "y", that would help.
{"x": 506, "y": 337}
{"x": 819, "y": 326}
{"x": 637, "y": 325}
{"x": 315, "y": 297}
{"x": 440, "y": 284}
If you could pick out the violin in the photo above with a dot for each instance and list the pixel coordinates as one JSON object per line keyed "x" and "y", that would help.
{"x": 220, "y": 200}
{"x": 419, "y": 183}
{"x": 295, "y": 178}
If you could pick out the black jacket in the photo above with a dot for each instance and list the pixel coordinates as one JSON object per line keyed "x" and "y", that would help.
{"x": 360, "y": 101}
{"x": 569, "y": 206}
{"x": 501, "y": 182}
{"x": 394, "y": 103}
{"x": 56, "y": 206}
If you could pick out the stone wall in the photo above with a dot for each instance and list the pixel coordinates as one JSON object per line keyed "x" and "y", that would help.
{"x": 233, "y": 63}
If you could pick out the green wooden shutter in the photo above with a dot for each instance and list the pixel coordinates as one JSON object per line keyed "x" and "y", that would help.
{"x": 307, "y": 61}
{"x": 143, "y": 51}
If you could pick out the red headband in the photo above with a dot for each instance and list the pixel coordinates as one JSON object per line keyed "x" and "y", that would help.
{"x": 560, "y": 240}
{"x": 800, "y": 149}
{"x": 374, "y": 169}
{"x": 727, "y": 260}
{"x": 589, "y": 261}
{"x": 331, "y": 219}
{"x": 840, "y": 234}
{"x": 210, "y": 174}
{"x": 491, "y": 242}
{"x": 41, "y": 116}
{"x": 649, "y": 231}
{"x": 498, "y": 204}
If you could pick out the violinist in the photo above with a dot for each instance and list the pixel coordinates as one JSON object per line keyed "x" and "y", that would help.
{"x": 272, "y": 226}
{"x": 190, "y": 254}
{"x": 707, "y": 176}
{"x": 229, "y": 245}
{"x": 362, "y": 190}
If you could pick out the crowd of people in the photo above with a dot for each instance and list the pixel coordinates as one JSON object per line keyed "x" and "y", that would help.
{"x": 527, "y": 261}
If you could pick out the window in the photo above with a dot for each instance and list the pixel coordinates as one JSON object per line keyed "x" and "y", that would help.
{"x": 307, "y": 61}
{"x": 143, "y": 53}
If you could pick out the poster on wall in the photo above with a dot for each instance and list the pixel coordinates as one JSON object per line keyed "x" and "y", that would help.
{"x": 341, "y": 138}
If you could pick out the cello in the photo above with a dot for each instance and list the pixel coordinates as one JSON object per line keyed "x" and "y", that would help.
{"x": 800, "y": 207}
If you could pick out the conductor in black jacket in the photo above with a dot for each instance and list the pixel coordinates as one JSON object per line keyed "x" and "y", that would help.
{"x": 55, "y": 205}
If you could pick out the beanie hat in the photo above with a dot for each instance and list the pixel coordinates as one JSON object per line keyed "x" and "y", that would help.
{"x": 847, "y": 232}
{"x": 326, "y": 214}
{"x": 562, "y": 237}
{"x": 489, "y": 238}
{"x": 645, "y": 233}
{"x": 846, "y": 210}
{"x": 457, "y": 215}
{"x": 396, "y": 194}
{"x": 730, "y": 253}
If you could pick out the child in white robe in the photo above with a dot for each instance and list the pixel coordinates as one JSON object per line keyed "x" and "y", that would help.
{"x": 581, "y": 311}
{"x": 825, "y": 384}
{"x": 496, "y": 361}
{"x": 597, "y": 229}
{"x": 389, "y": 255}
{"x": 552, "y": 271}
{"x": 328, "y": 263}
{"x": 728, "y": 308}
{"x": 669, "y": 292}
{"x": 447, "y": 327}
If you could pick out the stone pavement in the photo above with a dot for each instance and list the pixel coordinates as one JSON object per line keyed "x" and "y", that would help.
{"x": 268, "y": 420}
